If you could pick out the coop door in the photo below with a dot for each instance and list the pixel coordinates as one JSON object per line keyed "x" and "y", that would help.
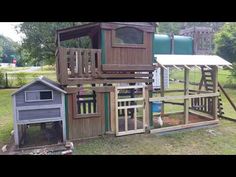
{"x": 130, "y": 110}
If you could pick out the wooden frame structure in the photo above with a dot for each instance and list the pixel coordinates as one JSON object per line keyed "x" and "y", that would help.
{"x": 117, "y": 62}
{"x": 207, "y": 101}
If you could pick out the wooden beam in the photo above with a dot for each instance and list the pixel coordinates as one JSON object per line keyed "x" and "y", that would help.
{"x": 162, "y": 66}
{"x": 185, "y": 126}
{"x": 198, "y": 67}
{"x": 124, "y": 75}
{"x": 187, "y": 67}
{"x": 116, "y": 113}
{"x": 228, "y": 118}
{"x": 202, "y": 114}
{"x": 130, "y": 99}
{"x": 177, "y": 67}
{"x": 162, "y": 78}
{"x": 171, "y": 113}
{"x": 76, "y": 81}
{"x": 170, "y": 91}
{"x": 230, "y": 67}
{"x": 118, "y": 67}
{"x": 147, "y": 106}
{"x": 174, "y": 103}
{"x": 208, "y": 67}
{"x": 135, "y": 118}
{"x": 186, "y": 93}
{"x": 215, "y": 90}
{"x": 126, "y": 120}
{"x": 76, "y": 62}
{"x": 96, "y": 89}
{"x": 165, "y": 98}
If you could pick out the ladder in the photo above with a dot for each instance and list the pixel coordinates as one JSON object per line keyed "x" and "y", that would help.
{"x": 207, "y": 81}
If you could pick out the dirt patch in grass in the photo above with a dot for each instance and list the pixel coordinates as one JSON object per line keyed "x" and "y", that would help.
{"x": 178, "y": 119}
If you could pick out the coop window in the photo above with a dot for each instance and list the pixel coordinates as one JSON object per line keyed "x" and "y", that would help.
{"x": 86, "y": 102}
{"x": 38, "y": 95}
{"x": 128, "y": 35}
{"x": 45, "y": 95}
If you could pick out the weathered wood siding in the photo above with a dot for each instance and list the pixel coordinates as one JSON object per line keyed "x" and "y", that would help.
{"x": 20, "y": 97}
{"x": 86, "y": 127}
{"x": 129, "y": 55}
{"x": 39, "y": 114}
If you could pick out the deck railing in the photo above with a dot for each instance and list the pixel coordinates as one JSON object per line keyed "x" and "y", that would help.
{"x": 81, "y": 66}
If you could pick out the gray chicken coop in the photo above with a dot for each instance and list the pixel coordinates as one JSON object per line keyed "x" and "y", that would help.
{"x": 41, "y": 101}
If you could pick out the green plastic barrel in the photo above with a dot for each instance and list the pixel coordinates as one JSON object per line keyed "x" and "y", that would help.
{"x": 183, "y": 45}
{"x": 162, "y": 44}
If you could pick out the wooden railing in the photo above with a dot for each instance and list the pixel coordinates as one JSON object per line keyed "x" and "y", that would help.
{"x": 78, "y": 63}
{"x": 202, "y": 104}
{"x": 83, "y": 66}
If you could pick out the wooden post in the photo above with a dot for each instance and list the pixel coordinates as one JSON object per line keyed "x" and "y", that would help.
{"x": 162, "y": 90}
{"x": 186, "y": 92}
{"x": 113, "y": 111}
{"x": 116, "y": 107}
{"x": 6, "y": 81}
{"x": 147, "y": 106}
{"x": 16, "y": 131}
{"x": 215, "y": 90}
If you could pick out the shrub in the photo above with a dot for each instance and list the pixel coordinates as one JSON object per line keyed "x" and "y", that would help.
{"x": 2, "y": 79}
{"x": 20, "y": 79}
{"x": 49, "y": 68}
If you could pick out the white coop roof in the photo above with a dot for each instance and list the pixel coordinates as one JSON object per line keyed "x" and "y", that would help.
{"x": 191, "y": 60}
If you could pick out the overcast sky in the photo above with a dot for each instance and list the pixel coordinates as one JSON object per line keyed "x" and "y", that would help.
{"x": 8, "y": 29}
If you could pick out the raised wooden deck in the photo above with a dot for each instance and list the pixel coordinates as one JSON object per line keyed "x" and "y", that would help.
{"x": 84, "y": 66}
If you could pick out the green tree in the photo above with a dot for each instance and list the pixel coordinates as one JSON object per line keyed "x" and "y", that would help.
{"x": 168, "y": 27}
{"x": 38, "y": 46}
{"x": 225, "y": 41}
{"x": 175, "y": 27}
{"x": 8, "y": 48}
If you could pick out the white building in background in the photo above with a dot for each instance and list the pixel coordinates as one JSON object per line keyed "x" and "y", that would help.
{"x": 7, "y": 65}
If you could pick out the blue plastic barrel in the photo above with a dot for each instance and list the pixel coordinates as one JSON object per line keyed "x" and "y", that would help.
{"x": 156, "y": 106}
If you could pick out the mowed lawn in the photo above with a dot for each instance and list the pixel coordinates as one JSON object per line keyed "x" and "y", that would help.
{"x": 6, "y": 116}
{"x": 194, "y": 142}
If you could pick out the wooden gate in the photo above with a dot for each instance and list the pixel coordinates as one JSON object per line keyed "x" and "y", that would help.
{"x": 128, "y": 123}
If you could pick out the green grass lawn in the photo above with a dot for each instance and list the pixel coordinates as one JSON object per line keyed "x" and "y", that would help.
{"x": 6, "y": 115}
{"x": 189, "y": 142}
